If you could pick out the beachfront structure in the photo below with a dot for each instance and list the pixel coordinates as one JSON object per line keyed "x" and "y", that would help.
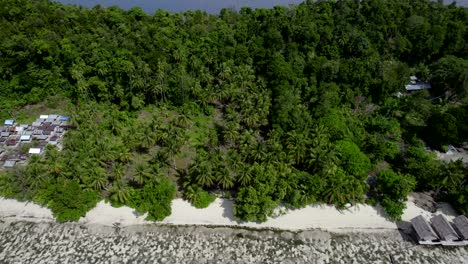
{"x": 424, "y": 232}
{"x": 461, "y": 226}
{"x": 445, "y": 231}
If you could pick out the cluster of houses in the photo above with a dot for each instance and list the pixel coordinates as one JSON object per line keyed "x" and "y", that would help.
{"x": 440, "y": 231}
{"x": 47, "y": 129}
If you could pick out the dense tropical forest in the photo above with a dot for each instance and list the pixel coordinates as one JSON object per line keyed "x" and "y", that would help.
{"x": 286, "y": 106}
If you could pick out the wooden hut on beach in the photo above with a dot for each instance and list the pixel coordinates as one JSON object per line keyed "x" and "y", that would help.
{"x": 424, "y": 232}
{"x": 445, "y": 231}
{"x": 461, "y": 226}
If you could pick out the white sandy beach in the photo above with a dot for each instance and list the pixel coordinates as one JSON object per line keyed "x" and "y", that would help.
{"x": 219, "y": 213}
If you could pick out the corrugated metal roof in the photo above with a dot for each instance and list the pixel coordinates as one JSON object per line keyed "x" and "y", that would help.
{"x": 34, "y": 151}
{"x": 25, "y": 137}
{"x": 418, "y": 86}
{"x": 9, "y": 122}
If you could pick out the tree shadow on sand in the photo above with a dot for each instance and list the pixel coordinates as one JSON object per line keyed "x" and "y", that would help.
{"x": 228, "y": 210}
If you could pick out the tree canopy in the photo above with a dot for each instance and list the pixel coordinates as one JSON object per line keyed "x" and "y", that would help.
{"x": 283, "y": 106}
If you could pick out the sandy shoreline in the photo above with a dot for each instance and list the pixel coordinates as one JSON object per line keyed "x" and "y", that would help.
{"x": 219, "y": 213}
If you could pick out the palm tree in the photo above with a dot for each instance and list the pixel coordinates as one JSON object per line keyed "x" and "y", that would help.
{"x": 120, "y": 192}
{"x": 124, "y": 154}
{"x": 35, "y": 174}
{"x": 258, "y": 152}
{"x": 183, "y": 121}
{"x": 118, "y": 171}
{"x": 231, "y": 132}
{"x": 114, "y": 123}
{"x": 321, "y": 154}
{"x": 97, "y": 178}
{"x": 205, "y": 179}
{"x": 224, "y": 178}
{"x": 141, "y": 173}
{"x": 190, "y": 192}
{"x": 245, "y": 175}
{"x": 147, "y": 138}
{"x": 342, "y": 188}
{"x": 234, "y": 161}
{"x": 103, "y": 150}
{"x": 297, "y": 143}
{"x": 201, "y": 171}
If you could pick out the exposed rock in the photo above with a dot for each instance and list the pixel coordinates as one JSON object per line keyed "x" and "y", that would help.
{"x": 25, "y": 242}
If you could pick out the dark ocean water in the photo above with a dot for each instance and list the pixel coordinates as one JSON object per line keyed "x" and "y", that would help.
{"x": 210, "y": 6}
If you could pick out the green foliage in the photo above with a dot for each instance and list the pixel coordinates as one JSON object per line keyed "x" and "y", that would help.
{"x": 394, "y": 209}
{"x": 290, "y": 105}
{"x": 155, "y": 199}
{"x": 422, "y": 165}
{"x": 450, "y": 76}
{"x": 67, "y": 200}
{"x": 442, "y": 129}
{"x": 251, "y": 205}
{"x": 393, "y": 189}
{"x": 352, "y": 159}
{"x": 199, "y": 197}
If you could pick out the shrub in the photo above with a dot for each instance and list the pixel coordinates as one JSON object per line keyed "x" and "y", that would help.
{"x": 155, "y": 198}
{"x": 394, "y": 209}
{"x": 68, "y": 201}
{"x": 393, "y": 189}
{"x": 199, "y": 197}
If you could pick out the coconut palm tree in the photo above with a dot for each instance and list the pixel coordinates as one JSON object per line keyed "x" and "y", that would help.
{"x": 224, "y": 178}
{"x": 118, "y": 171}
{"x": 183, "y": 121}
{"x": 97, "y": 178}
{"x": 297, "y": 144}
{"x": 231, "y": 132}
{"x": 147, "y": 139}
{"x": 245, "y": 175}
{"x": 201, "y": 171}
{"x": 141, "y": 173}
{"x": 205, "y": 179}
{"x": 120, "y": 192}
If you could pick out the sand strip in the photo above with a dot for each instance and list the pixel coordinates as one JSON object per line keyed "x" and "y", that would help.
{"x": 220, "y": 213}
